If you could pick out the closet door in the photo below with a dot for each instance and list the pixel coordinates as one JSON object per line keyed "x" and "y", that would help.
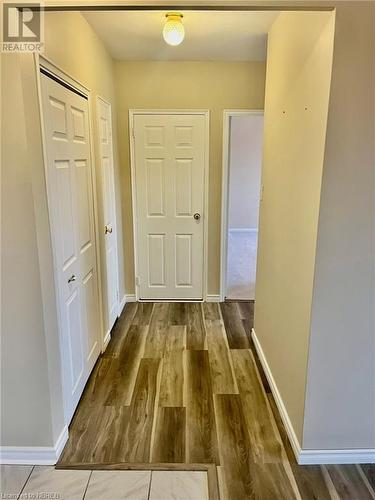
{"x": 66, "y": 126}
{"x": 109, "y": 209}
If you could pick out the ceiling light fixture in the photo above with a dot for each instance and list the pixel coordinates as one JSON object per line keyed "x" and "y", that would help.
{"x": 173, "y": 31}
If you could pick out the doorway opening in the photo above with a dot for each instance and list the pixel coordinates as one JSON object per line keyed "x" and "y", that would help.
{"x": 241, "y": 194}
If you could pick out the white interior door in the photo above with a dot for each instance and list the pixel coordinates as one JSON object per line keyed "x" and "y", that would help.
{"x": 109, "y": 210}
{"x": 169, "y": 167}
{"x": 66, "y": 125}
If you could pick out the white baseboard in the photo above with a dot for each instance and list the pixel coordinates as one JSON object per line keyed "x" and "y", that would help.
{"x": 303, "y": 456}
{"x": 61, "y": 442}
{"x": 348, "y": 456}
{"x": 34, "y": 455}
{"x": 122, "y": 305}
{"x": 126, "y": 298}
{"x": 276, "y": 394}
{"x": 106, "y": 340}
{"x": 130, "y": 297}
{"x": 212, "y": 298}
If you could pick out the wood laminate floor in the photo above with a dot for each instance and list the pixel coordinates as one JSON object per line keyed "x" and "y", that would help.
{"x": 181, "y": 383}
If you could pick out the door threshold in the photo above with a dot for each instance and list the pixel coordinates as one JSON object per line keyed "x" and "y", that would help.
{"x": 210, "y": 469}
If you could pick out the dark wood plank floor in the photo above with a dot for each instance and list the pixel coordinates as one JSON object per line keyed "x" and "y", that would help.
{"x": 181, "y": 383}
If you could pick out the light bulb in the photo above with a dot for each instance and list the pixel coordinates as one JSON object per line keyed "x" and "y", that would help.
{"x": 173, "y": 31}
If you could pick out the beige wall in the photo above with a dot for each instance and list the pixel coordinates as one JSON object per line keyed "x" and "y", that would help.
{"x": 245, "y": 164}
{"x": 31, "y": 392}
{"x": 339, "y": 408}
{"x": 340, "y": 399}
{"x": 183, "y": 85}
{"x": 297, "y": 92}
{"x": 27, "y": 414}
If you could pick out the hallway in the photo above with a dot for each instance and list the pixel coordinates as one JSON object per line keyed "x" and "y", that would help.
{"x": 180, "y": 383}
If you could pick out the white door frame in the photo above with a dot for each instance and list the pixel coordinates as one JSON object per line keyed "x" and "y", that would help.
{"x": 227, "y": 115}
{"x": 206, "y": 114}
{"x": 119, "y": 310}
{"x": 60, "y": 75}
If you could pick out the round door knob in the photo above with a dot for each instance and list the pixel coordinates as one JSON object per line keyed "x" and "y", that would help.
{"x": 197, "y": 216}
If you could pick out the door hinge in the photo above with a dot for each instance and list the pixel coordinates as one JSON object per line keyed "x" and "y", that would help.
{"x": 133, "y": 133}
{"x": 137, "y": 281}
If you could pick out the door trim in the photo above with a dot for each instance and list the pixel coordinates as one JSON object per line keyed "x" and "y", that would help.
{"x": 227, "y": 115}
{"x": 59, "y": 74}
{"x": 119, "y": 308}
{"x": 206, "y": 114}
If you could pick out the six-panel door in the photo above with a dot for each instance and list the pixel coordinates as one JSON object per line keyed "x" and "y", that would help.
{"x": 169, "y": 176}
{"x": 66, "y": 126}
{"x": 109, "y": 210}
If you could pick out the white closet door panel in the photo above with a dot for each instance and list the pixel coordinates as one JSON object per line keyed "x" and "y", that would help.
{"x": 66, "y": 126}
{"x": 91, "y": 319}
{"x": 76, "y": 342}
{"x": 109, "y": 211}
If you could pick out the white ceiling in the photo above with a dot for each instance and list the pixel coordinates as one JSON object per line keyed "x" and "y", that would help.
{"x": 231, "y": 36}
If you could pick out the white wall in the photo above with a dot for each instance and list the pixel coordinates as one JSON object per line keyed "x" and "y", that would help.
{"x": 245, "y": 163}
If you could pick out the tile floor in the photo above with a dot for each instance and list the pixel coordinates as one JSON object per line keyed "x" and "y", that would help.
{"x": 46, "y": 482}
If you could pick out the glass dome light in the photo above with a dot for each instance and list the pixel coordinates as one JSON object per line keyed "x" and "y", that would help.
{"x": 173, "y": 31}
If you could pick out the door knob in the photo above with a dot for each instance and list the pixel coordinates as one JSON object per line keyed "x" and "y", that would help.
{"x": 72, "y": 278}
{"x": 197, "y": 216}
{"x": 108, "y": 229}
